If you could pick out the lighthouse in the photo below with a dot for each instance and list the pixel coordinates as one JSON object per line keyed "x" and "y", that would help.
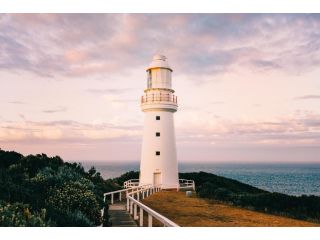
{"x": 158, "y": 164}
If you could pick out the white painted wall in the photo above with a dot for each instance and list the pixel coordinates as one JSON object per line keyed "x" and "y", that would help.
{"x": 166, "y": 163}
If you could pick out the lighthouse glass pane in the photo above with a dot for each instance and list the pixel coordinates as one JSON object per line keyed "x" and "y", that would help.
{"x": 157, "y": 134}
{"x": 149, "y": 79}
{"x": 158, "y": 153}
{"x": 157, "y": 117}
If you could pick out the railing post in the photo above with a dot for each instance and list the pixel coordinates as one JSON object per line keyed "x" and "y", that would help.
{"x": 149, "y": 220}
{"x": 112, "y": 198}
{"x": 131, "y": 207}
{"x": 104, "y": 198}
{"x": 128, "y": 204}
{"x": 142, "y": 194}
{"x": 138, "y": 196}
{"x": 141, "y": 217}
{"x": 135, "y": 216}
{"x": 120, "y": 196}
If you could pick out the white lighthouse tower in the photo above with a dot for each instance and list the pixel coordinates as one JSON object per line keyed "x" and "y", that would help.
{"x": 159, "y": 156}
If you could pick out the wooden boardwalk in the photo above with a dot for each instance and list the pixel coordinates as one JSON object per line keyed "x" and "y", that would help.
{"x": 119, "y": 216}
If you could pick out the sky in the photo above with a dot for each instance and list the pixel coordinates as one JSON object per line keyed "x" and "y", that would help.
{"x": 247, "y": 85}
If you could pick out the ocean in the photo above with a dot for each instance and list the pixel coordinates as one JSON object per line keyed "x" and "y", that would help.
{"x": 292, "y": 179}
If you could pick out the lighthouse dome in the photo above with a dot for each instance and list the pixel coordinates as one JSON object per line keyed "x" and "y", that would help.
{"x": 159, "y": 61}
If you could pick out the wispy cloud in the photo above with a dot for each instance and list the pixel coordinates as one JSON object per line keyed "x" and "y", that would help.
{"x": 56, "y": 110}
{"x": 296, "y": 130}
{"x": 216, "y": 43}
{"x": 305, "y": 97}
{"x": 265, "y": 64}
{"x": 16, "y": 102}
{"x": 66, "y": 130}
{"x": 109, "y": 91}
{"x": 217, "y": 102}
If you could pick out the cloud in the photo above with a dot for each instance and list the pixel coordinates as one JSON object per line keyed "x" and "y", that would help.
{"x": 293, "y": 130}
{"x": 57, "y": 110}
{"x": 306, "y": 97}
{"x": 65, "y": 131}
{"x": 217, "y": 102}
{"x": 52, "y": 45}
{"x": 265, "y": 64}
{"x": 109, "y": 91}
{"x": 16, "y": 102}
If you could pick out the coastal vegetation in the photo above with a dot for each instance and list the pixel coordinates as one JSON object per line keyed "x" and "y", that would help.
{"x": 37, "y": 190}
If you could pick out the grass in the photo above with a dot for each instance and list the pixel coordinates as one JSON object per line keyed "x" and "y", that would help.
{"x": 198, "y": 212}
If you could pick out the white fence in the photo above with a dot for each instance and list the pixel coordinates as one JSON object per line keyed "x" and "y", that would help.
{"x": 133, "y": 203}
{"x": 133, "y": 193}
{"x": 131, "y": 183}
{"x": 122, "y": 193}
{"x": 185, "y": 183}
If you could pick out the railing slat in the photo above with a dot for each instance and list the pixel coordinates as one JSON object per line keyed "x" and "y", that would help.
{"x": 135, "y": 216}
{"x": 141, "y": 217}
{"x": 149, "y": 220}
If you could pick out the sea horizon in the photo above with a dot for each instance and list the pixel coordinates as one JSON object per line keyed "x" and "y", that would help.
{"x": 288, "y": 178}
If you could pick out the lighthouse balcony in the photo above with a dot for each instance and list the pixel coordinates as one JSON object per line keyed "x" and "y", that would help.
{"x": 153, "y": 97}
{"x": 161, "y": 102}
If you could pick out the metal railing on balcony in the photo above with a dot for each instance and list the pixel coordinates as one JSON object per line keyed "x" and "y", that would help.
{"x": 159, "y": 97}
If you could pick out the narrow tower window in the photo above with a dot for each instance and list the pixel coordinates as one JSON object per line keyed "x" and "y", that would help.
{"x": 158, "y": 153}
{"x": 157, "y": 134}
{"x": 157, "y": 117}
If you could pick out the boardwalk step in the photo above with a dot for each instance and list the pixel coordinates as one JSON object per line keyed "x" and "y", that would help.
{"x": 119, "y": 217}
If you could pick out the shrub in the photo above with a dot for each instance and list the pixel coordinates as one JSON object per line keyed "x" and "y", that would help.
{"x": 106, "y": 217}
{"x": 20, "y": 215}
{"x": 74, "y": 201}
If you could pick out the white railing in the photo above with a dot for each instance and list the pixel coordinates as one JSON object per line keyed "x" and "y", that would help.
{"x": 120, "y": 192}
{"x": 131, "y": 183}
{"x": 185, "y": 183}
{"x": 133, "y": 203}
{"x": 133, "y": 193}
